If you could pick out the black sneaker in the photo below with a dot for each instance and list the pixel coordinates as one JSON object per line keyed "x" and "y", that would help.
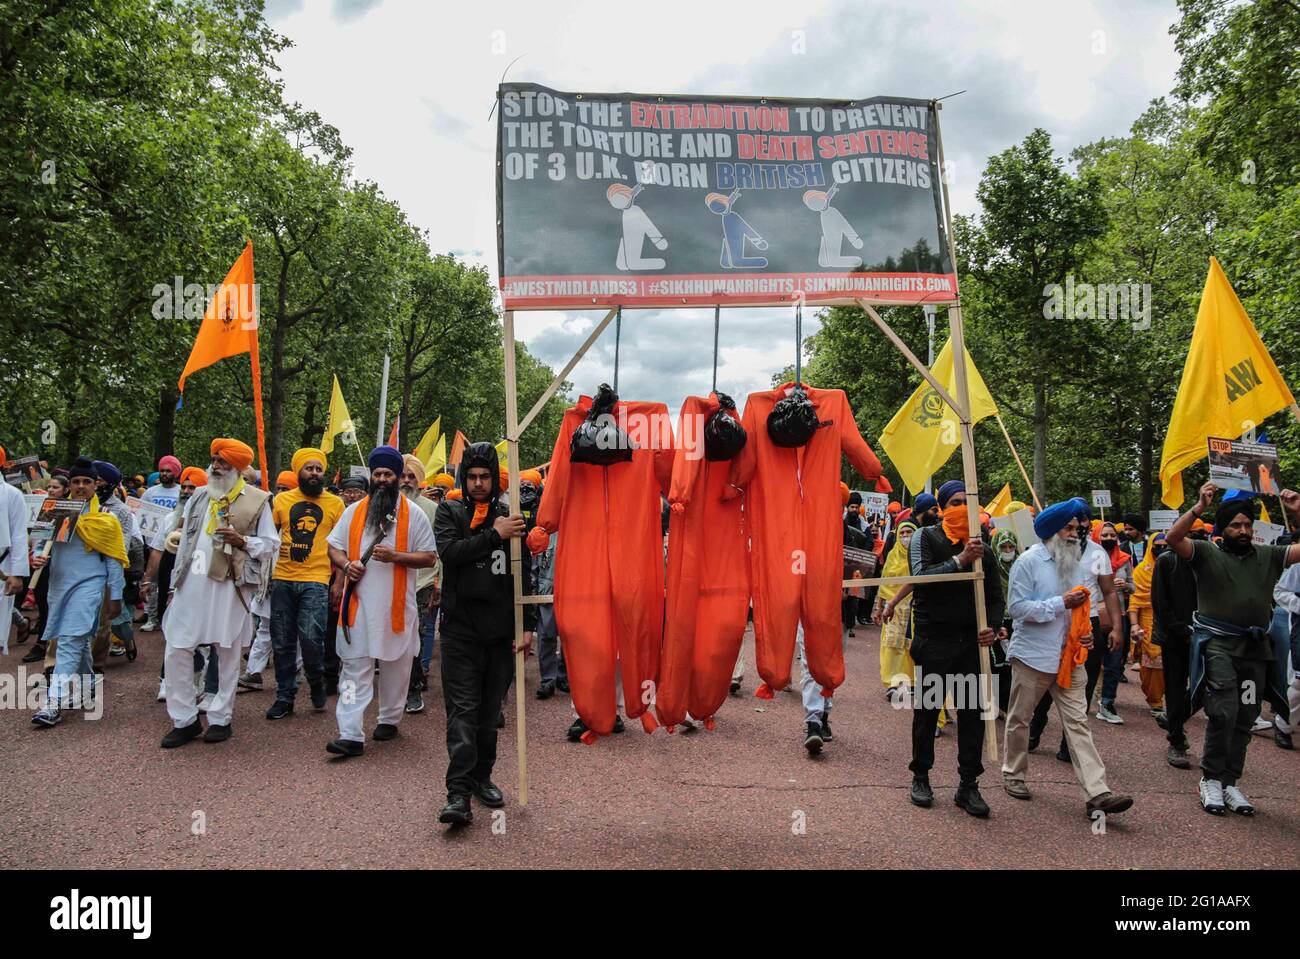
{"x": 921, "y": 794}
{"x": 279, "y": 710}
{"x": 562, "y": 685}
{"x": 457, "y": 811}
{"x": 735, "y": 687}
{"x": 576, "y": 731}
{"x": 501, "y": 719}
{"x": 331, "y": 687}
{"x": 618, "y": 723}
{"x": 489, "y": 795}
{"x": 1063, "y": 754}
{"x": 545, "y": 691}
{"x": 179, "y": 736}
{"x": 414, "y": 702}
{"x": 826, "y": 727}
{"x": 812, "y": 740}
{"x": 36, "y": 653}
{"x": 345, "y": 747}
{"x": 318, "y": 695}
{"x": 384, "y": 732}
{"x": 218, "y": 734}
{"x": 1035, "y": 734}
{"x": 968, "y": 798}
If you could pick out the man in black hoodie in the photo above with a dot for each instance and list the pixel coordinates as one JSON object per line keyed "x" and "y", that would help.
{"x": 1173, "y": 602}
{"x": 478, "y": 626}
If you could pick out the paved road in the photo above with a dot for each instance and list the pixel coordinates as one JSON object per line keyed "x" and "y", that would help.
{"x": 104, "y": 795}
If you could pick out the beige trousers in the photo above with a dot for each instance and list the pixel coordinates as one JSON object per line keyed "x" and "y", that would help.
{"x": 1027, "y": 688}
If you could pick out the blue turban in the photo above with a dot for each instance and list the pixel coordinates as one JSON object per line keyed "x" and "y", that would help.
{"x": 153, "y": 478}
{"x": 948, "y": 490}
{"x": 1081, "y": 509}
{"x": 109, "y": 473}
{"x": 1055, "y": 518}
{"x": 923, "y": 502}
{"x": 386, "y": 457}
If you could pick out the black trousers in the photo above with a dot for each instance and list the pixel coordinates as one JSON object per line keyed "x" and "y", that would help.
{"x": 1232, "y": 701}
{"x": 849, "y": 611}
{"x": 1175, "y": 654}
{"x": 955, "y": 664}
{"x": 475, "y": 677}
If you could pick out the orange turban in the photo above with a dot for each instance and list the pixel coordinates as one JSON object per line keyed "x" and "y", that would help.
{"x": 895, "y": 507}
{"x": 287, "y": 478}
{"x": 454, "y": 494}
{"x": 530, "y": 476}
{"x": 445, "y": 480}
{"x": 237, "y": 454}
{"x": 192, "y": 474}
{"x": 505, "y": 477}
{"x": 844, "y": 494}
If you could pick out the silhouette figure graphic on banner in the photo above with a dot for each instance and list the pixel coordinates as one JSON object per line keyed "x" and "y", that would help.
{"x": 734, "y": 233}
{"x": 637, "y": 228}
{"x": 834, "y": 231}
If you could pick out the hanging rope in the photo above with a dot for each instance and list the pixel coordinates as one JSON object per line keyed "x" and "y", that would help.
{"x": 618, "y": 333}
{"x": 717, "y": 321}
{"x": 798, "y": 343}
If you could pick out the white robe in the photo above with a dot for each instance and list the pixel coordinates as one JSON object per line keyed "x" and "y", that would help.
{"x": 204, "y": 610}
{"x": 13, "y": 537}
{"x": 372, "y": 633}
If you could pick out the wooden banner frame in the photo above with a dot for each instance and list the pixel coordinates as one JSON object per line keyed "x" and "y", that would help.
{"x": 960, "y": 404}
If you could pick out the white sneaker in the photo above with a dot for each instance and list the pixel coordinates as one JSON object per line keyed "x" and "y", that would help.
{"x": 1237, "y": 801}
{"x": 149, "y": 626}
{"x": 162, "y": 691}
{"x": 1262, "y": 725}
{"x": 205, "y": 702}
{"x": 1212, "y": 797}
{"x": 1108, "y": 715}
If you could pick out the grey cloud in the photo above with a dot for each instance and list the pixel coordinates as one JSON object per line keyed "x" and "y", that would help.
{"x": 282, "y": 9}
{"x": 347, "y": 11}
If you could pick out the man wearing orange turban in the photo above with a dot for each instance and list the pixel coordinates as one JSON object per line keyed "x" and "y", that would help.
{"x": 193, "y": 476}
{"x": 223, "y": 566}
{"x": 285, "y": 481}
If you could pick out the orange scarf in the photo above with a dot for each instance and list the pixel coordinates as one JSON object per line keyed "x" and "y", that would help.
{"x": 480, "y": 514}
{"x": 399, "y": 571}
{"x": 1075, "y": 654}
{"x": 956, "y": 524}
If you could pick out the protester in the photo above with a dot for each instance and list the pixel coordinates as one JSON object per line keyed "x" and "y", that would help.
{"x": 1232, "y": 659}
{"x": 115, "y": 637}
{"x": 946, "y": 646}
{"x": 82, "y": 569}
{"x": 427, "y": 582}
{"x": 14, "y": 566}
{"x": 162, "y": 560}
{"x": 1173, "y": 601}
{"x": 1141, "y": 615}
{"x": 378, "y": 540}
{"x": 163, "y": 491}
{"x": 1048, "y": 650}
{"x": 57, "y": 489}
{"x": 894, "y": 615}
{"x": 223, "y": 567}
{"x": 305, "y": 513}
{"x": 478, "y": 628}
{"x": 1285, "y": 633}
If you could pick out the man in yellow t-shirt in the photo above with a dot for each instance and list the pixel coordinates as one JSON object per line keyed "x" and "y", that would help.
{"x": 300, "y": 591}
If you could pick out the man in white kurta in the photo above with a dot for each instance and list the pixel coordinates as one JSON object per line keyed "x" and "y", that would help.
{"x": 371, "y": 639}
{"x": 13, "y": 550}
{"x": 204, "y": 610}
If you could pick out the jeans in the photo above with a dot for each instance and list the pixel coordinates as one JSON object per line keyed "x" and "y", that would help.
{"x": 1112, "y": 665}
{"x": 428, "y": 627}
{"x": 475, "y": 676}
{"x": 72, "y": 660}
{"x": 298, "y": 615}
{"x": 550, "y": 657}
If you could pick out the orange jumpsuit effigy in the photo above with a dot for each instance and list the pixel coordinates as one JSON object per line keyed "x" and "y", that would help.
{"x": 609, "y": 563}
{"x": 708, "y": 578}
{"x": 796, "y": 534}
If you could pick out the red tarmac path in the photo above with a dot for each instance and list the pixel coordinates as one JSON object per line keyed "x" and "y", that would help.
{"x": 104, "y": 795}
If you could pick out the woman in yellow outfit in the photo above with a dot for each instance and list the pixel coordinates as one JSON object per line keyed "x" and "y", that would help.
{"x": 1141, "y": 617}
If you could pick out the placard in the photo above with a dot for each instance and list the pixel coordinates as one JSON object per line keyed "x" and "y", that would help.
{"x": 1266, "y": 534}
{"x": 151, "y": 517}
{"x": 1243, "y": 465}
{"x": 1101, "y": 498}
{"x": 1160, "y": 519}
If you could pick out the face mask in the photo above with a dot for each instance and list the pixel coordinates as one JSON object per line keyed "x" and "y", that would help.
{"x": 955, "y": 524}
{"x": 1109, "y": 544}
{"x": 1009, "y": 553}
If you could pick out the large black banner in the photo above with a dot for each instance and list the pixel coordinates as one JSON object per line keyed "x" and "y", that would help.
{"x": 607, "y": 199}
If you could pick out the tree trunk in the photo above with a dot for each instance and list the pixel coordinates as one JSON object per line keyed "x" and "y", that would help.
{"x": 1040, "y": 441}
{"x": 310, "y": 428}
{"x": 164, "y": 427}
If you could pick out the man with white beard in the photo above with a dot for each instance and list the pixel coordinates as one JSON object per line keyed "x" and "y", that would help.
{"x": 376, "y": 543}
{"x": 1045, "y": 586}
{"x": 223, "y": 566}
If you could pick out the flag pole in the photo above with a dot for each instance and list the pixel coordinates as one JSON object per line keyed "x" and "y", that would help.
{"x": 256, "y": 365}
{"x": 1012, "y": 446}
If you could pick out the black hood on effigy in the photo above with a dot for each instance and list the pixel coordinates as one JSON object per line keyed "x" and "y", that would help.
{"x": 480, "y": 454}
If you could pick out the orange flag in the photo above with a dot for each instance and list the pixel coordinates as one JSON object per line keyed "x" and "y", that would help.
{"x": 457, "y": 449}
{"x": 392, "y": 434}
{"x": 229, "y": 328}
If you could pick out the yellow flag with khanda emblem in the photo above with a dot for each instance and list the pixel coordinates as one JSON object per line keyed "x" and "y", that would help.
{"x": 923, "y": 435}
{"x": 340, "y": 421}
{"x": 1230, "y": 384}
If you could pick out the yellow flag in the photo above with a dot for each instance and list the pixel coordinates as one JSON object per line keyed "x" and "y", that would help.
{"x": 1230, "y": 384}
{"x": 502, "y": 450}
{"x": 437, "y": 458}
{"x": 340, "y": 421}
{"x": 424, "y": 449}
{"x": 925, "y": 432}
{"x": 998, "y": 504}
{"x": 1263, "y": 513}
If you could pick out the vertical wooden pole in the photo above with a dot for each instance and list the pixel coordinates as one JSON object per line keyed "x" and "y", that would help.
{"x": 516, "y": 551}
{"x": 969, "y": 475}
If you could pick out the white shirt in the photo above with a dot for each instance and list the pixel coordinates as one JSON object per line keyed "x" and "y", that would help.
{"x": 1094, "y": 564}
{"x": 372, "y": 633}
{"x": 162, "y": 495}
{"x": 13, "y": 534}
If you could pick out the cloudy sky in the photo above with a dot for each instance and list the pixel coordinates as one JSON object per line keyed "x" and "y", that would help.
{"x": 411, "y": 84}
